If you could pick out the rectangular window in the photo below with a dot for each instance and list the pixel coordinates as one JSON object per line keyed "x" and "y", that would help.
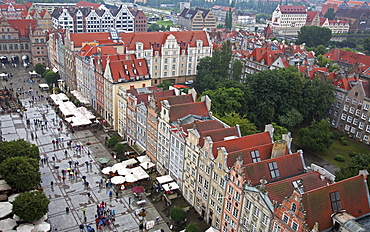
{"x": 363, "y": 116}
{"x": 345, "y": 108}
{"x": 274, "y": 170}
{"x": 294, "y": 226}
{"x": 231, "y": 190}
{"x": 285, "y": 218}
{"x": 248, "y": 205}
{"x": 351, "y": 110}
{"x": 256, "y": 212}
{"x": 361, "y": 125}
{"x": 336, "y": 205}
{"x": 255, "y": 156}
{"x": 213, "y": 191}
{"x": 357, "y": 112}
{"x": 355, "y": 121}
{"x": 366, "y": 107}
{"x": 206, "y": 184}
{"x": 343, "y": 117}
{"x": 212, "y": 203}
{"x": 235, "y": 213}
{"x": 215, "y": 177}
{"x": 219, "y": 198}
{"x": 349, "y": 119}
{"x": 264, "y": 219}
{"x": 228, "y": 206}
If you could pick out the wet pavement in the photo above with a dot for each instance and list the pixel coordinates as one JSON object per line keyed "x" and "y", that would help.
{"x": 71, "y": 192}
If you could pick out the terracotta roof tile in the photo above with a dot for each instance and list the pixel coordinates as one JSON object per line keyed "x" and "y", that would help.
{"x": 288, "y": 166}
{"x": 338, "y": 55}
{"x": 242, "y": 143}
{"x": 277, "y": 191}
{"x": 193, "y": 108}
{"x": 23, "y": 26}
{"x": 292, "y": 9}
{"x": 263, "y": 150}
{"x": 88, "y": 4}
{"x": 202, "y": 126}
{"x": 218, "y": 134}
{"x": 353, "y": 198}
{"x": 180, "y": 99}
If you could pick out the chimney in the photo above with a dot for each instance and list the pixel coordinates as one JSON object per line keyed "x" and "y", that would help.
{"x": 143, "y": 85}
{"x": 208, "y": 102}
{"x": 132, "y": 87}
{"x": 238, "y": 130}
{"x": 278, "y": 149}
{"x": 288, "y": 138}
{"x": 269, "y": 128}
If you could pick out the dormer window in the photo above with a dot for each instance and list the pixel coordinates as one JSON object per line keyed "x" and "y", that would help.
{"x": 336, "y": 205}
{"x": 274, "y": 170}
{"x": 255, "y": 156}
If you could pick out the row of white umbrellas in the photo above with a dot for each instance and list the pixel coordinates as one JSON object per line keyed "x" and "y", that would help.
{"x": 8, "y": 224}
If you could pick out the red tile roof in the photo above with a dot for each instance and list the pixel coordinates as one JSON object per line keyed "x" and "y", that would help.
{"x": 182, "y": 110}
{"x": 23, "y": 26}
{"x": 292, "y": 9}
{"x": 88, "y": 4}
{"x": 288, "y": 166}
{"x": 311, "y": 15}
{"x": 202, "y": 126}
{"x": 263, "y": 150}
{"x": 128, "y": 70}
{"x": 353, "y": 198}
{"x": 338, "y": 22}
{"x": 279, "y": 190}
{"x": 153, "y": 40}
{"x": 242, "y": 143}
{"x": 145, "y": 97}
{"x": 338, "y": 55}
{"x": 218, "y": 134}
{"x": 180, "y": 99}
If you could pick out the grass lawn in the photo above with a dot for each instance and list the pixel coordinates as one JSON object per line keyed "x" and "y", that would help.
{"x": 165, "y": 22}
{"x": 335, "y": 149}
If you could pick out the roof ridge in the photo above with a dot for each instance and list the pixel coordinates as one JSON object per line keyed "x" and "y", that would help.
{"x": 273, "y": 159}
{"x": 336, "y": 183}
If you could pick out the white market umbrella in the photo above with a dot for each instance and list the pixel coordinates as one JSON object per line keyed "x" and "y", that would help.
{"x": 12, "y": 197}
{"x": 118, "y": 166}
{"x": 17, "y": 218}
{"x": 130, "y": 178}
{"x": 3, "y": 75}
{"x": 123, "y": 171}
{"x": 41, "y": 220}
{"x": 107, "y": 170}
{"x": 5, "y": 209}
{"x": 118, "y": 180}
{"x": 7, "y": 224}
{"x": 42, "y": 227}
{"x": 10, "y": 231}
{"x": 25, "y": 228}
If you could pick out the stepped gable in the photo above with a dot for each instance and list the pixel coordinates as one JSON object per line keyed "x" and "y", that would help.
{"x": 353, "y": 199}
{"x": 242, "y": 143}
{"x": 287, "y": 166}
{"x": 264, "y": 152}
{"x": 279, "y": 190}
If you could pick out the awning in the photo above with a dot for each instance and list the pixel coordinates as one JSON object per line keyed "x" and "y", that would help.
{"x": 211, "y": 229}
{"x": 129, "y": 162}
{"x": 143, "y": 158}
{"x": 170, "y": 186}
{"x": 43, "y": 85}
{"x": 164, "y": 179}
{"x": 147, "y": 164}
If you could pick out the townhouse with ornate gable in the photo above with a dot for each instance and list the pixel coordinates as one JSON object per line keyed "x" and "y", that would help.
{"x": 43, "y": 18}
{"x": 197, "y": 19}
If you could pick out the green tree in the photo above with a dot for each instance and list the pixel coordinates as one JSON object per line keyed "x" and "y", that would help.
{"x": 246, "y": 127}
{"x": 119, "y": 148}
{"x": 320, "y": 50}
{"x": 51, "y": 77}
{"x": 153, "y": 27}
{"x": 291, "y": 118}
{"x": 192, "y": 227}
{"x": 177, "y": 214}
{"x": 279, "y": 131}
{"x": 314, "y": 36}
{"x": 21, "y": 172}
{"x": 330, "y": 14}
{"x": 225, "y": 100}
{"x": 229, "y": 20}
{"x": 112, "y": 141}
{"x": 237, "y": 70}
{"x": 40, "y": 68}
{"x": 316, "y": 136}
{"x": 17, "y": 148}
{"x": 366, "y": 44}
{"x": 165, "y": 85}
{"x": 31, "y": 206}
{"x": 322, "y": 61}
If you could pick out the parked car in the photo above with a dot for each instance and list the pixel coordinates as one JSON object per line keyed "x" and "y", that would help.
{"x": 190, "y": 82}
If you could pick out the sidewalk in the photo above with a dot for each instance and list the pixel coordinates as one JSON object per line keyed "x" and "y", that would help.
{"x": 71, "y": 193}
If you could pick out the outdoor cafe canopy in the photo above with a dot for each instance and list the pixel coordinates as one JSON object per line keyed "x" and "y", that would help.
{"x": 170, "y": 186}
{"x": 164, "y": 179}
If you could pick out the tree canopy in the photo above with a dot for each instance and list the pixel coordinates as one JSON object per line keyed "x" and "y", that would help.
{"x": 21, "y": 172}
{"x": 177, "y": 214}
{"x": 366, "y": 44}
{"x": 330, "y": 14}
{"x": 18, "y": 147}
{"x": 316, "y": 136}
{"x": 31, "y": 206}
{"x": 51, "y": 77}
{"x": 246, "y": 127}
{"x": 314, "y": 36}
{"x": 40, "y": 68}
{"x": 192, "y": 227}
{"x": 358, "y": 162}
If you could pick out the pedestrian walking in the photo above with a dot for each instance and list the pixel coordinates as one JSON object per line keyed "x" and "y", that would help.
{"x": 67, "y": 210}
{"x": 51, "y": 183}
{"x": 110, "y": 194}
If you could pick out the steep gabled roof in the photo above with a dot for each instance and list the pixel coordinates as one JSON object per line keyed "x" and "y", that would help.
{"x": 218, "y": 134}
{"x": 311, "y": 15}
{"x": 128, "y": 70}
{"x": 193, "y": 108}
{"x": 338, "y": 55}
{"x": 202, "y": 126}
{"x": 180, "y": 99}
{"x": 287, "y": 166}
{"x": 23, "y": 26}
{"x": 264, "y": 152}
{"x": 242, "y": 143}
{"x": 279, "y": 190}
{"x": 353, "y": 199}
